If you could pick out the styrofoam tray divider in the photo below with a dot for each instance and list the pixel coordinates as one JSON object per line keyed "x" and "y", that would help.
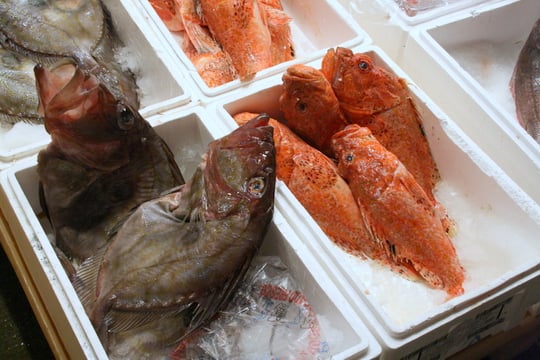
{"x": 161, "y": 85}
{"x": 315, "y": 26}
{"x": 426, "y": 10}
{"x": 187, "y": 131}
{"x": 478, "y": 195}
{"x": 473, "y": 58}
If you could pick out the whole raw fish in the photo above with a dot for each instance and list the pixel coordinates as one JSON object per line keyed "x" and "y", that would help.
{"x": 398, "y": 212}
{"x": 314, "y": 180}
{"x": 213, "y": 64}
{"x": 104, "y": 159}
{"x": 525, "y": 83}
{"x": 18, "y": 96}
{"x": 310, "y": 106}
{"x": 47, "y": 31}
{"x": 178, "y": 259}
{"x": 373, "y": 97}
{"x": 242, "y": 30}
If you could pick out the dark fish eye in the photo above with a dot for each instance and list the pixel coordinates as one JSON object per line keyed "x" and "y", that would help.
{"x": 256, "y": 186}
{"x": 125, "y": 118}
{"x": 349, "y": 157}
{"x": 363, "y": 65}
{"x": 301, "y": 106}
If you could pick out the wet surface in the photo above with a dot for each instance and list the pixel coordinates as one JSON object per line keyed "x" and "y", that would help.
{"x": 20, "y": 334}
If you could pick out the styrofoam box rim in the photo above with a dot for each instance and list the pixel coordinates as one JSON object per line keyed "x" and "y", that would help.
{"x": 291, "y": 207}
{"x": 146, "y": 8}
{"x": 501, "y": 117}
{"x": 159, "y": 48}
{"x": 67, "y": 299}
{"x": 156, "y": 42}
{"x": 433, "y": 13}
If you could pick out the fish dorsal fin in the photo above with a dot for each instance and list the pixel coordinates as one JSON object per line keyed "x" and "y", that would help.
{"x": 85, "y": 279}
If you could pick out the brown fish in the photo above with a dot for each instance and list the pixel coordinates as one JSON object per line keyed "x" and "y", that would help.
{"x": 398, "y": 212}
{"x": 104, "y": 159}
{"x": 48, "y": 31}
{"x": 18, "y": 99}
{"x": 178, "y": 259}
{"x": 525, "y": 83}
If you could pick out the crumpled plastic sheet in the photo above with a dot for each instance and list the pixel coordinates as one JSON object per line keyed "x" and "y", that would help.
{"x": 268, "y": 318}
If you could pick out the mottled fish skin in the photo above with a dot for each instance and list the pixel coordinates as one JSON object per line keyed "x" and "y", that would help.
{"x": 373, "y": 97}
{"x": 310, "y": 106}
{"x": 18, "y": 99}
{"x": 314, "y": 180}
{"x": 241, "y": 29}
{"x": 397, "y": 210}
{"x": 525, "y": 84}
{"x": 104, "y": 159}
{"x": 182, "y": 255}
{"x": 47, "y": 31}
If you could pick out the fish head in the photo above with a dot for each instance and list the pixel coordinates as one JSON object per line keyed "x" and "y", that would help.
{"x": 362, "y": 87}
{"x": 310, "y": 106}
{"x": 240, "y": 171}
{"x": 86, "y": 122}
{"x": 305, "y": 91}
{"x": 360, "y": 158}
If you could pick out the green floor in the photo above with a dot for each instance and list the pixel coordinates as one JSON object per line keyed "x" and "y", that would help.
{"x": 20, "y": 334}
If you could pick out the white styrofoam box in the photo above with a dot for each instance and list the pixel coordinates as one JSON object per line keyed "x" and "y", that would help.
{"x": 187, "y": 132}
{"x": 496, "y": 241}
{"x": 316, "y": 25}
{"x": 418, "y": 11}
{"x": 161, "y": 87}
{"x": 472, "y": 56}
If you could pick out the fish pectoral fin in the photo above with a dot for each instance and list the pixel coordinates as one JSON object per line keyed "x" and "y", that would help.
{"x": 84, "y": 280}
{"x": 210, "y": 305}
{"x": 201, "y": 39}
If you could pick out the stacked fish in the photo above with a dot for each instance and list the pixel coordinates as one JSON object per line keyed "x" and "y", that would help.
{"x": 151, "y": 256}
{"x": 226, "y": 39}
{"x": 51, "y": 32}
{"x": 378, "y": 201}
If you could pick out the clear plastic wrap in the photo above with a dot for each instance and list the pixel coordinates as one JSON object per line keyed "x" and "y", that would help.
{"x": 268, "y": 318}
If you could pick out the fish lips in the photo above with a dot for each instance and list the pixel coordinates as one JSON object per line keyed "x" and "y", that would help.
{"x": 242, "y": 165}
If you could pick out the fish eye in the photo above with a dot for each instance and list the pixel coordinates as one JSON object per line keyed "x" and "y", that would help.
{"x": 125, "y": 118}
{"x": 363, "y": 65}
{"x": 349, "y": 157}
{"x": 301, "y": 106}
{"x": 256, "y": 186}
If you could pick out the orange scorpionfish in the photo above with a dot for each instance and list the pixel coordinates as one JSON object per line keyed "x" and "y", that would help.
{"x": 396, "y": 209}
{"x": 314, "y": 180}
{"x": 372, "y": 97}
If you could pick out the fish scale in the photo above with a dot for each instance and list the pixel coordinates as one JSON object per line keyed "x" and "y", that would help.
{"x": 49, "y": 32}
{"x": 104, "y": 159}
{"x": 525, "y": 83}
{"x": 178, "y": 258}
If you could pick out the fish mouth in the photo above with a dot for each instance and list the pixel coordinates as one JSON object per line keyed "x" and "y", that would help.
{"x": 303, "y": 72}
{"x": 64, "y": 93}
{"x": 304, "y": 79}
{"x": 235, "y": 160}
